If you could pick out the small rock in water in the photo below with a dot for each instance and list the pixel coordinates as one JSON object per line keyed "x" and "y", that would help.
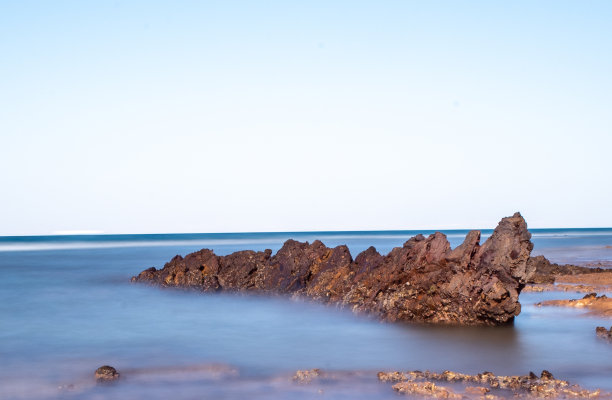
{"x": 106, "y": 373}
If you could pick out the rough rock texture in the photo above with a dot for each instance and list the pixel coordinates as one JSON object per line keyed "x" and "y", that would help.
{"x": 424, "y": 280}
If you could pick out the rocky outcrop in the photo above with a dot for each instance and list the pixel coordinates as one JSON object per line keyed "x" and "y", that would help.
{"x": 424, "y": 280}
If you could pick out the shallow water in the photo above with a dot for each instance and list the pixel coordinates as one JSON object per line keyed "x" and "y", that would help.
{"x": 67, "y": 307}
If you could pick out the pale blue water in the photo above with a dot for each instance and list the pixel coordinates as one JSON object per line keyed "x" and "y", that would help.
{"x": 67, "y": 307}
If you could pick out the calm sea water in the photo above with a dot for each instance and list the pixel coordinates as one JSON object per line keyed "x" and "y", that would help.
{"x": 67, "y": 307}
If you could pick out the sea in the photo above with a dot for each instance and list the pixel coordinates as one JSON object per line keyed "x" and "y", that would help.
{"x": 67, "y": 307}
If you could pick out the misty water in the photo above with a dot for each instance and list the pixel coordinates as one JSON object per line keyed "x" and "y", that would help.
{"x": 67, "y": 307}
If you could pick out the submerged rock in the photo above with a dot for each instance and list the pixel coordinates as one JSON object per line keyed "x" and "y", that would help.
{"x": 424, "y": 280}
{"x": 106, "y": 373}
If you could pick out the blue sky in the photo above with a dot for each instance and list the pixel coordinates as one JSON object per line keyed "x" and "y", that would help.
{"x": 190, "y": 116}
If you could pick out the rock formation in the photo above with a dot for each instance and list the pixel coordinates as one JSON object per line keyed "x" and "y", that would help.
{"x": 424, "y": 280}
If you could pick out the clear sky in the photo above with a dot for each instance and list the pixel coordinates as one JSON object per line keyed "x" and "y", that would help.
{"x": 187, "y": 116}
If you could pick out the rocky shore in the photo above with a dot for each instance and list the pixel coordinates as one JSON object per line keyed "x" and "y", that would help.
{"x": 486, "y": 385}
{"x": 424, "y": 280}
{"x": 457, "y": 385}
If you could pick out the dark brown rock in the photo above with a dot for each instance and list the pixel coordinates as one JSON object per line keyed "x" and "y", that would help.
{"x": 424, "y": 280}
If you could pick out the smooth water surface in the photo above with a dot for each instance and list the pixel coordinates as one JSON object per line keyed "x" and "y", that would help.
{"x": 67, "y": 307}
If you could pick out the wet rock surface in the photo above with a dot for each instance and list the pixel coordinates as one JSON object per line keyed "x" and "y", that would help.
{"x": 424, "y": 280}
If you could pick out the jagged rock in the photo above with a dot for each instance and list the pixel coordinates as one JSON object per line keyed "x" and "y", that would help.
{"x": 106, "y": 373}
{"x": 424, "y": 280}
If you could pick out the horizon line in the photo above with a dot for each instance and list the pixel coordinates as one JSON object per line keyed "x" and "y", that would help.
{"x": 102, "y": 233}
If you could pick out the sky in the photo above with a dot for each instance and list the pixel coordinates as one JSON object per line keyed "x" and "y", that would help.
{"x": 231, "y": 116}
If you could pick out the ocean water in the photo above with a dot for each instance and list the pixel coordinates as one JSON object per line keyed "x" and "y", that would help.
{"x": 67, "y": 307}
